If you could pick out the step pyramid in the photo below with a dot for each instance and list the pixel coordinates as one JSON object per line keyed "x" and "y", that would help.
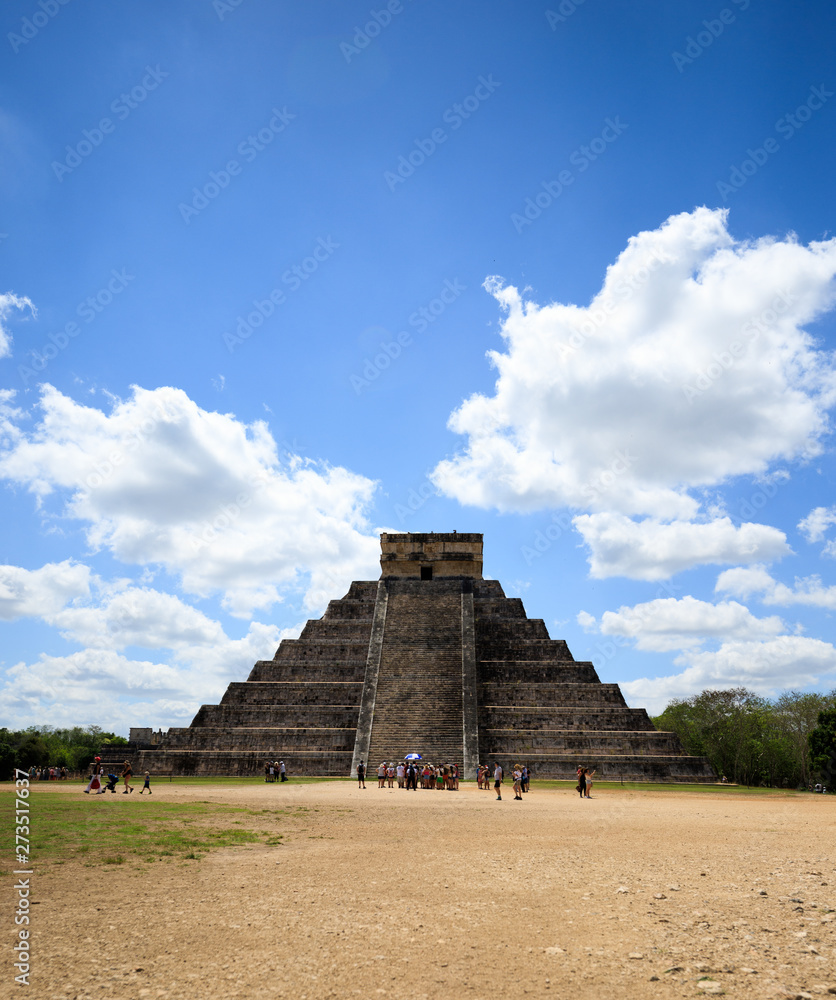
{"x": 430, "y": 659}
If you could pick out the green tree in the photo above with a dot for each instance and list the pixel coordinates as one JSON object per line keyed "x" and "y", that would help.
{"x": 823, "y": 746}
{"x": 797, "y": 714}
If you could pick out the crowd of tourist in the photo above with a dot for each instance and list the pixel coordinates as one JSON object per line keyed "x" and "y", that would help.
{"x": 409, "y": 774}
{"x": 48, "y": 774}
{"x": 275, "y": 770}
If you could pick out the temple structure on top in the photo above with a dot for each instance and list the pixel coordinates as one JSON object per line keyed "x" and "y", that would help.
{"x": 430, "y": 659}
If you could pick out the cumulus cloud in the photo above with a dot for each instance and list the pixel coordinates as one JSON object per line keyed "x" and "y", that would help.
{"x": 9, "y": 302}
{"x": 161, "y": 482}
{"x": 764, "y": 666}
{"x": 815, "y": 524}
{"x": 687, "y": 623}
{"x": 138, "y": 616}
{"x": 689, "y": 367}
{"x": 99, "y": 683}
{"x": 26, "y": 593}
{"x": 652, "y": 550}
{"x": 743, "y": 582}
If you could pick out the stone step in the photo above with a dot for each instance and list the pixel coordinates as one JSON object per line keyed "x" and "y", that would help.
{"x": 567, "y": 718}
{"x": 496, "y": 630}
{"x": 356, "y": 630}
{"x": 550, "y": 695}
{"x": 418, "y": 705}
{"x": 337, "y": 671}
{"x": 292, "y": 693}
{"x": 247, "y": 716}
{"x": 502, "y": 607}
{"x": 319, "y": 738}
{"x": 522, "y": 649}
{"x": 514, "y": 741}
{"x": 534, "y": 671}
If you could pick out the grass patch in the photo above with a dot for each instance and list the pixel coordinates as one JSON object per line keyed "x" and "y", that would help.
{"x": 114, "y": 832}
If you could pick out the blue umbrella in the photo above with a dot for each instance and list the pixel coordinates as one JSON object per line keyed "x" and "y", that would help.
{"x": 413, "y": 756}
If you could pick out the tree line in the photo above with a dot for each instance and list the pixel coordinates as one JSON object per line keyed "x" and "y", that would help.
{"x": 46, "y": 746}
{"x": 787, "y": 742}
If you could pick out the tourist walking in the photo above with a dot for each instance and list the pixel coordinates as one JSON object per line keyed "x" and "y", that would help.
{"x": 147, "y": 784}
{"x": 127, "y": 774}
{"x": 588, "y": 775}
{"x": 94, "y": 785}
{"x": 361, "y": 774}
{"x": 497, "y": 781}
{"x": 517, "y": 774}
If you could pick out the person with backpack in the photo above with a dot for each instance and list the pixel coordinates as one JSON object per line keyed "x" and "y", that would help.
{"x": 361, "y": 774}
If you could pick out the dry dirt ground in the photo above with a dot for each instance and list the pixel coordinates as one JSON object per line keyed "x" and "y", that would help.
{"x": 648, "y": 894}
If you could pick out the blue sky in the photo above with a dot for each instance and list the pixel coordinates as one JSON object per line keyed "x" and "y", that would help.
{"x": 279, "y": 276}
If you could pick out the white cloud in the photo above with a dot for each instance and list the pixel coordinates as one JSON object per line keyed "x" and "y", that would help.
{"x": 160, "y": 481}
{"x": 138, "y": 616}
{"x": 756, "y": 580}
{"x": 765, "y": 667}
{"x": 687, "y": 623}
{"x": 651, "y": 550}
{"x": 26, "y": 593}
{"x": 8, "y": 303}
{"x": 690, "y": 366}
{"x": 103, "y": 686}
{"x": 816, "y": 523}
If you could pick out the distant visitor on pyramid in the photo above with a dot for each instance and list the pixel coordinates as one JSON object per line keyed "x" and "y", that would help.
{"x": 430, "y": 659}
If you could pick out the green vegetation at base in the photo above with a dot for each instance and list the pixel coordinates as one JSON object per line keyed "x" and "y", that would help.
{"x": 46, "y": 746}
{"x": 749, "y": 739}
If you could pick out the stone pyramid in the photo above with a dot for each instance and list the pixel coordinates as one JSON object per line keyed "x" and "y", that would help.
{"x": 429, "y": 659}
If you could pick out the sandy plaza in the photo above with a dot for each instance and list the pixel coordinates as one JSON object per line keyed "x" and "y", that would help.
{"x": 633, "y": 893}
